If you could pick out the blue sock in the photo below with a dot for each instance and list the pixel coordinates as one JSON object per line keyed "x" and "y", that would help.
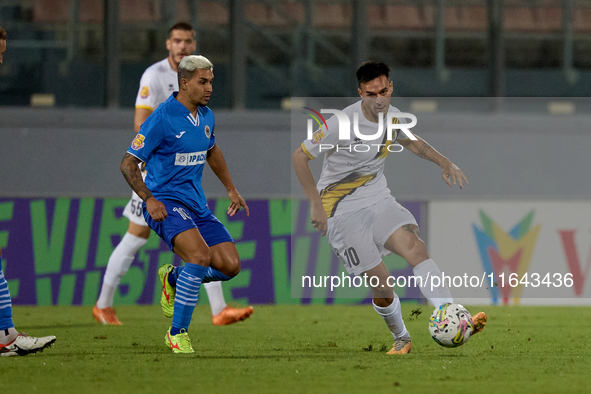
{"x": 174, "y": 275}
{"x": 187, "y": 294}
{"x": 5, "y": 303}
{"x": 213, "y": 275}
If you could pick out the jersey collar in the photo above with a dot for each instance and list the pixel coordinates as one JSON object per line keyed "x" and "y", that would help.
{"x": 181, "y": 107}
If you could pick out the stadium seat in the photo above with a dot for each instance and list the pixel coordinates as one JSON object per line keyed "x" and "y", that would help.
{"x": 51, "y": 11}
{"x": 405, "y": 17}
{"x": 519, "y": 19}
{"x": 332, "y": 16}
{"x": 582, "y": 20}
{"x": 264, "y": 15}
{"x": 213, "y": 13}
{"x": 465, "y": 18}
{"x": 183, "y": 12}
{"x": 534, "y": 20}
{"x": 139, "y": 11}
{"x": 91, "y": 11}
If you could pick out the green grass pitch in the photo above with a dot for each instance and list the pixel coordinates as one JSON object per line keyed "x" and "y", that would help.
{"x": 301, "y": 349}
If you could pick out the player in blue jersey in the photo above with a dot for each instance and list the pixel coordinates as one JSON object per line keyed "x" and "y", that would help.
{"x": 157, "y": 84}
{"x": 11, "y": 342}
{"x": 174, "y": 143}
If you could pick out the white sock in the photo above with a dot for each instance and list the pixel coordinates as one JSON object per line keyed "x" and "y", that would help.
{"x": 118, "y": 265}
{"x": 392, "y": 315}
{"x": 8, "y": 336}
{"x": 216, "y": 297}
{"x": 438, "y": 295}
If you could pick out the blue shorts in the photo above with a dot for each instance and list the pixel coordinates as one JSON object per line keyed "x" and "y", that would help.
{"x": 181, "y": 218}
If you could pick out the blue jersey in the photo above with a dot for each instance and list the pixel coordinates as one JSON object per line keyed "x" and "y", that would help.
{"x": 174, "y": 146}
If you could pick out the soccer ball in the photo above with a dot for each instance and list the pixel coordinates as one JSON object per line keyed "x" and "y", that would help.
{"x": 451, "y": 325}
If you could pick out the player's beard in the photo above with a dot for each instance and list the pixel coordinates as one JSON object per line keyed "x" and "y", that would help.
{"x": 382, "y": 105}
{"x": 202, "y": 102}
{"x": 179, "y": 56}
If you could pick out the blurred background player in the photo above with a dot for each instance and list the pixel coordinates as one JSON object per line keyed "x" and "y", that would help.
{"x": 353, "y": 205}
{"x": 11, "y": 342}
{"x": 157, "y": 84}
{"x": 175, "y": 204}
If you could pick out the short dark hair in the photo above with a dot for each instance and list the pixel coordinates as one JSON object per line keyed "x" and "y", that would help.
{"x": 2, "y": 33}
{"x": 369, "y": 71}
{"x": 181, "y": 26}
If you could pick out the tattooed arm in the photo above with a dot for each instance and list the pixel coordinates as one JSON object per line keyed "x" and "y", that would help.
{"x": 132, "y": 174}
{"x": 451, "y": 173}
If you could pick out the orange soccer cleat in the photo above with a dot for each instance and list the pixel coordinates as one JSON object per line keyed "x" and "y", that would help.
{"x": 106, "y": 316}
{"x": 479, "y": 321}
{"x": 401, "y": 346}
{"x": 230, "y": 315}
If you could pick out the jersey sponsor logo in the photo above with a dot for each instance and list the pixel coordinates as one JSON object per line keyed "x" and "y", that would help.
{"x": 144, "y": 92}
{"x": 207, "y": 131}
{"x": 190, "y": 159}
{"x": 180, "y": 135}
{"x": 138, "y": 142}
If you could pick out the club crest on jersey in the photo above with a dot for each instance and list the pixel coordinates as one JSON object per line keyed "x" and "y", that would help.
{"x": 138, "y": 142}
{"x": 317, "y": 137}
{"x": 207, "y": 131}
{"x": 145, "y": 92}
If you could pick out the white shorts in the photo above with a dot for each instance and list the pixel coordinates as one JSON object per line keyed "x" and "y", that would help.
{"x": 358, "y": 238}
{"x": 134, "y": 211}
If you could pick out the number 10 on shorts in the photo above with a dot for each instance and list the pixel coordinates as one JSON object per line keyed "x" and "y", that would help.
{"x": 351, "y": 256}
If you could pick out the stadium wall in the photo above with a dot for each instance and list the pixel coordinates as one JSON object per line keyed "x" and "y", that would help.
{"x": 76, "y": 153}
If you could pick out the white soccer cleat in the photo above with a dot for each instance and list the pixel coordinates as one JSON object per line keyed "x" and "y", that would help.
{"x": 24, "y": 344}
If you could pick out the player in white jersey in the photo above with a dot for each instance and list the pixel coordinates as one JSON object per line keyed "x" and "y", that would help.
{"x": 353, "y": 206}
{"x": 156, "y": 85}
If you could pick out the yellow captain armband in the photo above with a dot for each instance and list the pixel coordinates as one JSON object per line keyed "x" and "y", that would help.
{"x": 307, "y": 152}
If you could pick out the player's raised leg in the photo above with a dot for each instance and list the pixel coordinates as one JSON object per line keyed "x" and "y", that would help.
{"x": 406, "y": 242}
{"x": 225, "y": 263}
{"x": 225, "y": 258}
{"x": 387, "y": 304}
{"x": 199, "y": 257}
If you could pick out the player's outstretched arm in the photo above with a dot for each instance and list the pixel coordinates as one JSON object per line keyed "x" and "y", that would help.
{"x": 451, "y": 173}
{"x": 216, "y": 161}
{"x": 131, "y": 172}
{"x": 300, "y": 163}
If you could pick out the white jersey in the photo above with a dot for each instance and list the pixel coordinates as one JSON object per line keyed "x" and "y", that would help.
{"x": 157, "y": 84}
{"x": 351, "y": 180}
